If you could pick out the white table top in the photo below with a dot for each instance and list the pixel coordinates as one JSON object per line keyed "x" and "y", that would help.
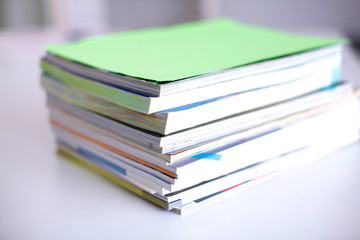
{"x": 42, "y": 197}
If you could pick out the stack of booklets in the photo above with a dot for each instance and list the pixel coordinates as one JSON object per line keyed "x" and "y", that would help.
{"x": 189, "y": 114}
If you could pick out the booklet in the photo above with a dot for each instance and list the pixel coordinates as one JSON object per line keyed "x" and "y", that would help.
{"x": 156, "y": 70}
{"x": 186, "y": 50}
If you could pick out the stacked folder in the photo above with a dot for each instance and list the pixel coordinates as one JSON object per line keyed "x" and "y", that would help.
{"x": 188, "y": 114}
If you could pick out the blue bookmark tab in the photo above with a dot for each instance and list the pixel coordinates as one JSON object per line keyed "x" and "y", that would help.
{"x": 336, "y": 74}
{"x": 212, "y": 156}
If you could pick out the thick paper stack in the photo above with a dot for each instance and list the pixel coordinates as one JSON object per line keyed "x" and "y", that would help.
{"x": 188, "y": 114}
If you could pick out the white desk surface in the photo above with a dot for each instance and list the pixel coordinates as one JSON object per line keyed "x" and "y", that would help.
{"x": 42, "y": 197}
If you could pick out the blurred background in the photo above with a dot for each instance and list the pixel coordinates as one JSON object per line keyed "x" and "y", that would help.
{"x": 74, "y": 19}
{"x": 82, "y": 15}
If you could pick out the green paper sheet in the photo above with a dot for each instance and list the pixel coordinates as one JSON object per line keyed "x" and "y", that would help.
{"x": 186, "y": 50}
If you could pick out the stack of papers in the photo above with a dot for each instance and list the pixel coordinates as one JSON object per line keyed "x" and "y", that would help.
{"x": 188, "y": 114}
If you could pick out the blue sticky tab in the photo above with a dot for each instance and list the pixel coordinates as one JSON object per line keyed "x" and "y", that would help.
{"x": 336, "y": 74}
{"x": 212, "y": 156}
